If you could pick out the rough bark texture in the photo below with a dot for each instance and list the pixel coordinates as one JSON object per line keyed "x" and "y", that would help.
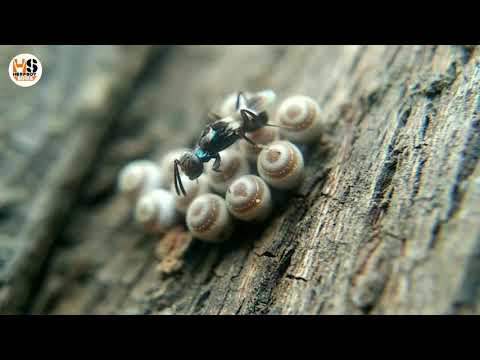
{"x": 387, "y": 222}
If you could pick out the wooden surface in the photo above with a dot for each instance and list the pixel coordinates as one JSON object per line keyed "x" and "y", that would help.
{"x": 388, "y": 221}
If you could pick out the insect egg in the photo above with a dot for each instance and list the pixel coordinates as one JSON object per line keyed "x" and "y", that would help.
{"x": 138, "y": 177}
{"x": 208, "y": 218}
{"x": 281, "y": 165}
{"x": 300, "y": 116}
{"x": 156, "y": 211}
{"x": 265, "y": 99}
{"x": 233, "y": 164}
{"x": 193, "y": 188}
{"x": 264, "y": 136}
{"x": 248, "y": 198}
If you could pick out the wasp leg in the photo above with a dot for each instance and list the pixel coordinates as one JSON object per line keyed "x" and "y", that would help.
{"x": 248, "y": 115}
{"x": 216, "y": 163}
{"x": 237, "y": 104}
{"x": 242, "y": 134}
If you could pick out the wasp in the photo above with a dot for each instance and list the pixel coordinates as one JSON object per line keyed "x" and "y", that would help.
{"x": 250, "y": 115}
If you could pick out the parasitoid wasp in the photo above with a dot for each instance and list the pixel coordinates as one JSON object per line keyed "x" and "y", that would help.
{"x": 250, "y": 115}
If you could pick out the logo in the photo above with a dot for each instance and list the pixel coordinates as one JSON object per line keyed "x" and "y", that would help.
{"x": 25, "y": 70}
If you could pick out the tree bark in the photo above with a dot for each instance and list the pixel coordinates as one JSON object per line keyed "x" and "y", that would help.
{"x": 387, "y": 221}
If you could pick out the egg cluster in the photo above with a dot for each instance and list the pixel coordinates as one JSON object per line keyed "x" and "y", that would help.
{"x": 240, "y": 190}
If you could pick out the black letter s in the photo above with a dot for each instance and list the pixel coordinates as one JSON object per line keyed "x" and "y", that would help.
{"x": 32, "y": 68}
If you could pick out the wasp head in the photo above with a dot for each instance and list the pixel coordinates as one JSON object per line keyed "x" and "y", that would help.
{"x": 191, "y": 166}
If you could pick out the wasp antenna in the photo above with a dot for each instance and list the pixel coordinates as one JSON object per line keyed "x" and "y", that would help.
{"x": 181, "y": 186}
{"x": 279, "y": 126}
{"x": 179, "y": 179}
{"x": 175, "y": 176}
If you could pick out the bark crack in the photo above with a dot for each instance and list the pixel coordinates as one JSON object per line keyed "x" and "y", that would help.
{"x": 293, "y": 277}
{"x": 469, "y": 159}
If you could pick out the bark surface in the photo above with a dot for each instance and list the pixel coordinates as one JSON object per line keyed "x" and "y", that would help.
{"x": 387, "y": 221}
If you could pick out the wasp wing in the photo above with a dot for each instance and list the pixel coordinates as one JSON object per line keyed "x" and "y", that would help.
{"x": 219, "y": 135}
{"x": 225, "y": 126}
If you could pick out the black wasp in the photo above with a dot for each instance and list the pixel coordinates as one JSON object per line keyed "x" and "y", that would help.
{"x": 250, "y": 115}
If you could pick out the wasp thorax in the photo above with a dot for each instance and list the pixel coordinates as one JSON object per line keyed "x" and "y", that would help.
{"x": 264, "y": 136}
{"x": 300, "y": 115}
{"x": 233, "y": 164}
{"x": 248, "y": 198}
{"x": 167, "y": 162}
{"x": 138, "y": 177}
{"x": 281, "y": 165}
{"x": 193, "y": 188}
{"x": 208, "y": 218}
{"x": 156, "y": 211}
